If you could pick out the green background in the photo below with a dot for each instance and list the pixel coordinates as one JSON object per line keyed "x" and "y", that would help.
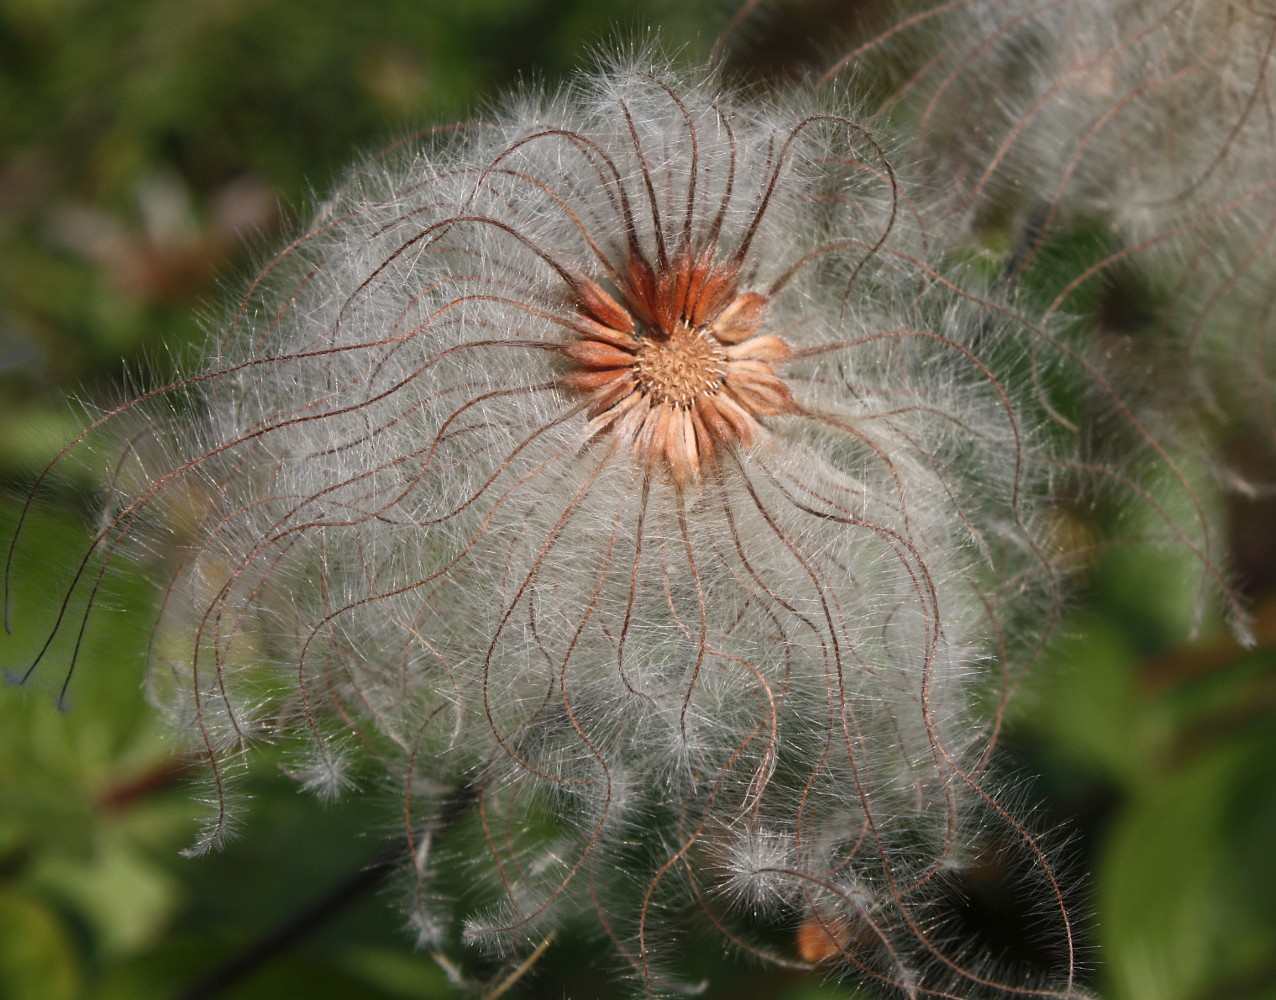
{"x": 149, "y": 151}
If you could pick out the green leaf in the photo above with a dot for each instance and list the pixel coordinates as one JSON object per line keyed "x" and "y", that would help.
{"x": 38, "y": 960}
{"x": 1185, "y": 901}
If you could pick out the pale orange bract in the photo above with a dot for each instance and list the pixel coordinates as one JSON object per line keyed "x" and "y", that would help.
{"x": 689, "y": 375}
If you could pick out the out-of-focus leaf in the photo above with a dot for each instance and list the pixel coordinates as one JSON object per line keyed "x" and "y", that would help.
{"x": 1085, "y": 704}
{"x": 1248, "y": 820}
{"x": 172, "y": 968}
{"x": 1185, "y": 886}
{"x": 38, "y": 959}
{"x": 398, "y": 974}
{"x": 56, "y": 765}
{"x": 124, "y": 896}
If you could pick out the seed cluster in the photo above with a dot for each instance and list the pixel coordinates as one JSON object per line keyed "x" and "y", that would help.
{"x": 678, "y": 370}
{"x": 628, "y": 482}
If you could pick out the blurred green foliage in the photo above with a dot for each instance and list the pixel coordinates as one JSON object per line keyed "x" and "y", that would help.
{"x": 145, "y": 147}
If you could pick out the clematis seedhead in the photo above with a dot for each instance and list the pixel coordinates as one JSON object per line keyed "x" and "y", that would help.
{"x": 623, "y": 480}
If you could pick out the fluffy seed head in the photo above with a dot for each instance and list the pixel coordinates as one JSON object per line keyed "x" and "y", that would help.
{"x": 1119, "y": 153}
{"x": 620, "y": 478}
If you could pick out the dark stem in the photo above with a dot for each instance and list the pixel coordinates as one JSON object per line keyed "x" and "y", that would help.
{"x": 310, "y": 919}
{"x": 296, "y": 929}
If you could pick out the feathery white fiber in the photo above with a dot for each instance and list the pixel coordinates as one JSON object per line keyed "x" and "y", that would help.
{"x": 621, "y": 468}
{"x": 1148, "y": 121}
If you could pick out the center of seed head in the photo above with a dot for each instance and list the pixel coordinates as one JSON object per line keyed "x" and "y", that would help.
{"x": 680, "y": 368}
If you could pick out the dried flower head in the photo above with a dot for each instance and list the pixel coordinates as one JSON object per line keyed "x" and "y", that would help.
{"x": 1112, "y": 160}
{"x": 1062, "y": 108}
{"x": 618, "y": 475}
{"x": 1147, "y": 124}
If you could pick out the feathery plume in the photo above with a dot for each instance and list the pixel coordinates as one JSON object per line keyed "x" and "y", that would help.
{"x": 623, "y": 469}
{"x": 1112, "y": 162}
{"x": 1149, "y": 121}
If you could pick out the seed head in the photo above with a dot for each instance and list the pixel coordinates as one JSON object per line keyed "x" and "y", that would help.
{"x": 1119, "y": 153}
{"x": 621, "y": 470}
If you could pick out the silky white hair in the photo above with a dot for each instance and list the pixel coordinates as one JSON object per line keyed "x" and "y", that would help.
{"x": 390, "y": 539}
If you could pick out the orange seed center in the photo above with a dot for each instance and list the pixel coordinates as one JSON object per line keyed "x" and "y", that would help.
{"x": 679, "y": 369}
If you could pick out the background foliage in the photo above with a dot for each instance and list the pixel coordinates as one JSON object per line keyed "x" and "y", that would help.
{"x": 148, "y": 150}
